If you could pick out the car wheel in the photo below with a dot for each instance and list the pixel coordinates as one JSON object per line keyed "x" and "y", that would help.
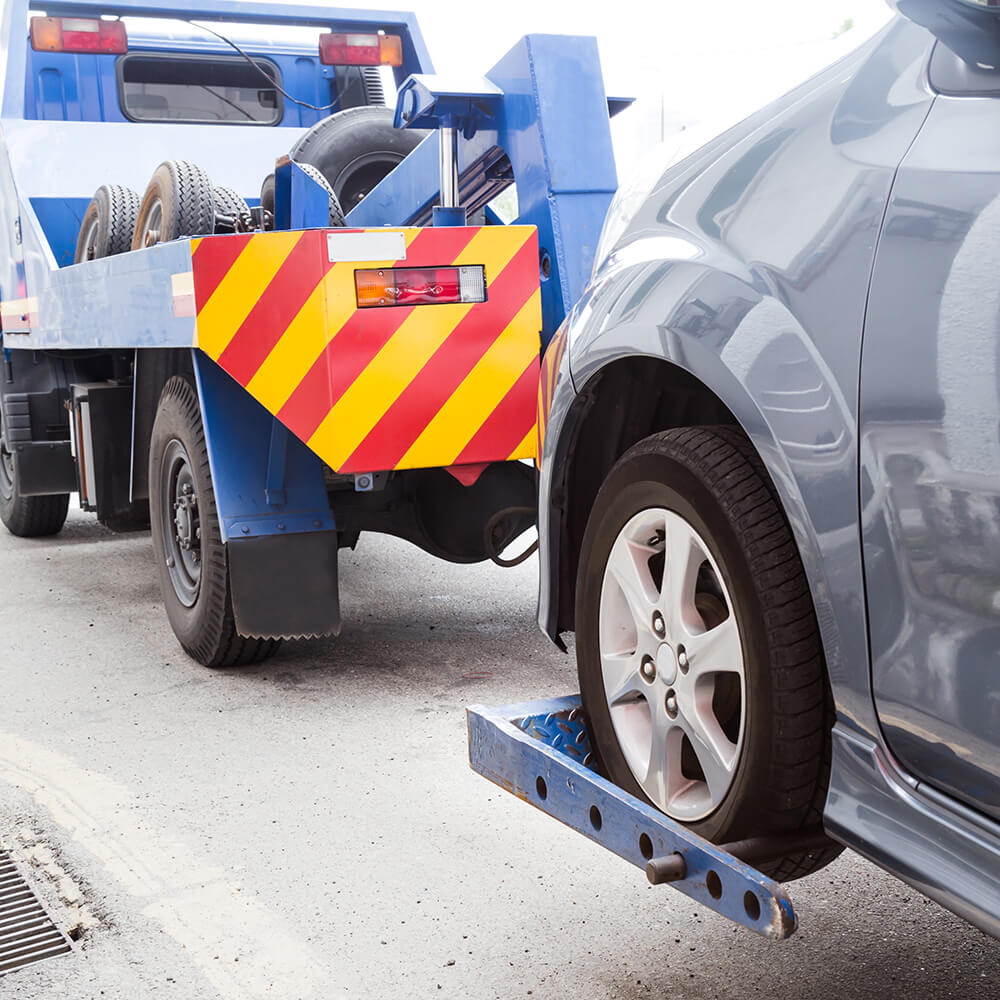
{"x": 187, "y": 540}
{"x": 179, "y": 201}
{"x": 701, "y": 668}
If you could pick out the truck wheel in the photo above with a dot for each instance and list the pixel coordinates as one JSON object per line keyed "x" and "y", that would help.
{"x": 108, "y": 223}
{"x": 178, "y": 202}
{"x": 336, "y": 212}
{"x": 701, "y": 668}
{"x": 187, "y": 541}
{"x": 355, "y": 149}
{"x": 229, "y": 208}
{"x": 27, "y": 517}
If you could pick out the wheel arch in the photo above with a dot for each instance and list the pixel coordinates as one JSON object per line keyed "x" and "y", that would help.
{"x": 586, "y": 451}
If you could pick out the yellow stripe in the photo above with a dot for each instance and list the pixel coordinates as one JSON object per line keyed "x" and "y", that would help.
{"x": 239, "y": 290}
{"x": 195, "y": 243}
{"x": 361, "y": 407}
{"x": 526, "y": 449}
{"x": 468, "y": 407}
{"x": 328, "y": 308}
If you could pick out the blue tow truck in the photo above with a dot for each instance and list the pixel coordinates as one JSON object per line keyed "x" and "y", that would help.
{"x": 246, "y": 304}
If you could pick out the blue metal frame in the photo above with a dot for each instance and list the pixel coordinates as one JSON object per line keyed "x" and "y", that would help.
{"x": 548, "y": 131}
{"x": 539, "y": 751}
{"x": 267, "y": 482}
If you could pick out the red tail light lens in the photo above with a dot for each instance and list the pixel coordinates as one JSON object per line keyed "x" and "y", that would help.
{"x": 419, "y": 286}
{"x": 78, "y": 34}
{"x": 360, "y": 50}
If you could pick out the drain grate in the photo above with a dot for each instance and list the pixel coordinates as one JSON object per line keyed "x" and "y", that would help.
{"x": 27, "y": 934}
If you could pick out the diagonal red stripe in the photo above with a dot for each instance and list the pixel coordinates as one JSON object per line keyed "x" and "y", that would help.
{"x": 361, "y": 338}
{"x": 508, "y": 424}
{"x": 449, "y": 366}
{"x": 213, "y": 260}
{"x": 280, "y": 302}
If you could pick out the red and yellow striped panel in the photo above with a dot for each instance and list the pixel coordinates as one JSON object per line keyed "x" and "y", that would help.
{"x": 402, "y": 387}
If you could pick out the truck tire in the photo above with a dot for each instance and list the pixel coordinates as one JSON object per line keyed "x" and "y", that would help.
{"x": 701, "y": 667}
{"x": 355, "y": 149}
{"x": 108, "y": 223}
{"x": 336, "y": 212}
{"x": 187, "y": 541}
{"x": 27, "y": 517}
{"x": 229, "y": 208}
{"x": 178, "y": 201}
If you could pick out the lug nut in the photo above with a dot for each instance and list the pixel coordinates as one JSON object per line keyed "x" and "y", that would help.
{"x": 671, "y": 704}
{"x": 659, "y": 626}
{"x": 682, "y": 659}
{"x": 648, "y": 669}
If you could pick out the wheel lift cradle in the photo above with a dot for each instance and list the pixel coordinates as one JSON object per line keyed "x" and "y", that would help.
{"x": 288, "y": 398}
{"x": 540, "y": 752}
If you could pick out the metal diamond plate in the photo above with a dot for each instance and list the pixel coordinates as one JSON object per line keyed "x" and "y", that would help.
{"x": 563, "y": 731}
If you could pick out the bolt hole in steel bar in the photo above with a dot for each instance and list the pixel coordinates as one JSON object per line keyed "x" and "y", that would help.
{"x": 714, "y": 884}
{"x": 645, "y": 846}
{"x": 541, "y": 789}
{"x": 595, "y": 817}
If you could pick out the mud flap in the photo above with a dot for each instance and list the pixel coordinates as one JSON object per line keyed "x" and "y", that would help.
{"x": 285, "y": 586}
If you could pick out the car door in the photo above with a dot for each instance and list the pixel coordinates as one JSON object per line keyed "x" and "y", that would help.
{"x": 930, "y": 445}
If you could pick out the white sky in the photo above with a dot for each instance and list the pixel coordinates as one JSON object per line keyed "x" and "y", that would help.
{"x": 686, "y": 61}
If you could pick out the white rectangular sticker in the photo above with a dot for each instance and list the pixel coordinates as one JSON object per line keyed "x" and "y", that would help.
{"x": 358, "y": 248}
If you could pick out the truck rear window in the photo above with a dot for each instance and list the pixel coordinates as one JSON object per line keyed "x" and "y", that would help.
{"x": 171, "y": 88}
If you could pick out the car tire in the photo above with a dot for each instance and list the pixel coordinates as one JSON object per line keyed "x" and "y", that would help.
{"x": 179, "y": 201}
{"x": 355, "y": 149}
{"x": 191, "y": 557}
{"x": 701, "y": 667}
{"x": 108, "y": 223}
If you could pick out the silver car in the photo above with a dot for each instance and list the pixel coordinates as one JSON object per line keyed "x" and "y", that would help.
{"x": 770, "y": 484}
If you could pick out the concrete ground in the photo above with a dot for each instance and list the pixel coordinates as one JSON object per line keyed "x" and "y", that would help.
{"x": 310, "y": 827}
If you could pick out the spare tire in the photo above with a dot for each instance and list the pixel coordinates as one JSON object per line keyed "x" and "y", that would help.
{"x": 229, "y": 207}
{"x": 355, "y": 149}
{"x": 108, "y": 223}
{"x": 336, "y": 218}
{"x": 179, "y": 201}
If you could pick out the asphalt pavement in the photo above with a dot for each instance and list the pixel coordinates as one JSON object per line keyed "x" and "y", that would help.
{"x": 310, "y": 828}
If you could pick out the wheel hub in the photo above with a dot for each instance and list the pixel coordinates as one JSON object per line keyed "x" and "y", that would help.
{"x": 672, "y": 663}
{"x": 180, "y": 523}
{"x": 666, "y": 664}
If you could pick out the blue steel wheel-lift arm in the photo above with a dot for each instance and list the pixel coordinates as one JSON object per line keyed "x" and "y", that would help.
{"x": 540, "y": 752}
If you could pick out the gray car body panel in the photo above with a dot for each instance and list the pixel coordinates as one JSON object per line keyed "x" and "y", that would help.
{"x": 748, "y": 266}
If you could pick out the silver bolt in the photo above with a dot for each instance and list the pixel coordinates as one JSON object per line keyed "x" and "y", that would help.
{"x": 671, "y": 705}
{"x": 245, "y": 529}
{"x": 170, "y": 562}
{"x": 281, "y": 526}
{"x": 659, "y": 626}
{"x": 648, "y": 669}
{"x": 682, "y": 660}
